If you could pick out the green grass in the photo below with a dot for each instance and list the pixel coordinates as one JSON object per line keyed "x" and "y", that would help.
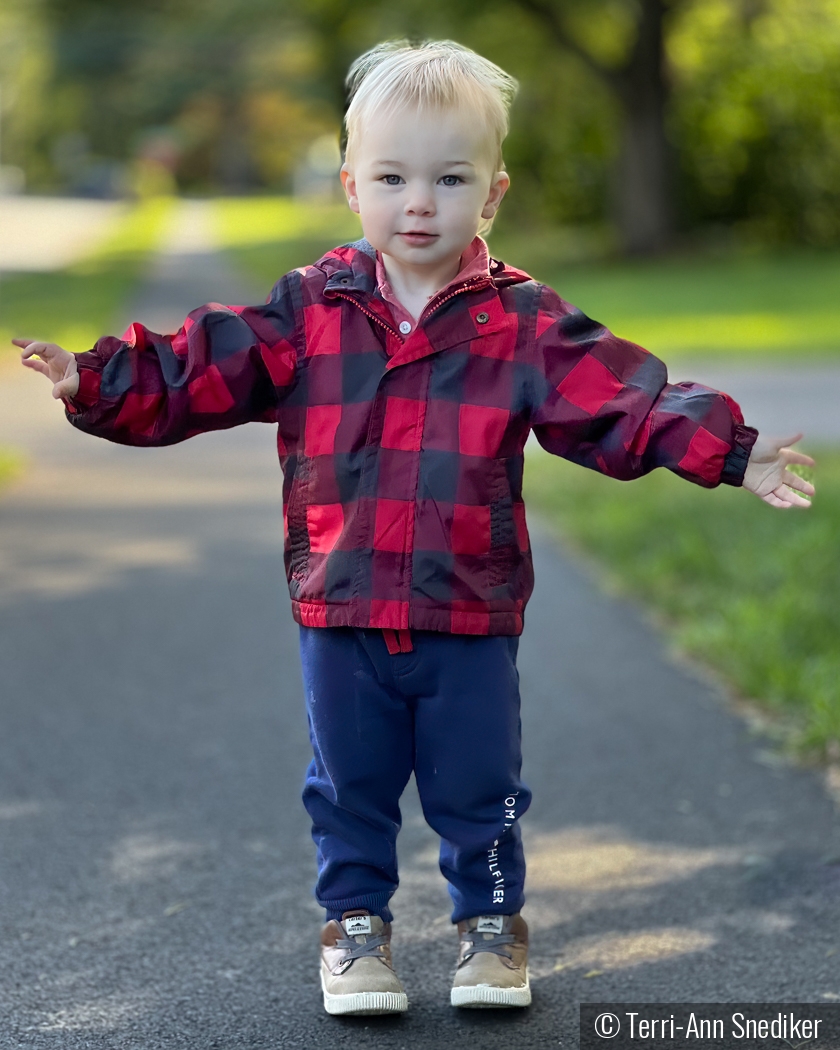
{"x": 73, "y": 307}
{"x": 784, "y": 305}
{"x": 268, "y": 236}
{"x": 11, "y": 465}
{"x": 751, "y": 591}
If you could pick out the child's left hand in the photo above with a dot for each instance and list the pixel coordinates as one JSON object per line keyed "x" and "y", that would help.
{"x": 54, "y": 362}
{"x": 768, "y": 477}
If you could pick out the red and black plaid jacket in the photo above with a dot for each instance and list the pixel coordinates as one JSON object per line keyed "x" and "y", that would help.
{"x": 403, "y": 456}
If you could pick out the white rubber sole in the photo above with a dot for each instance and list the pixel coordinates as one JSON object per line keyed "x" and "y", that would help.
{"x": 360, "y": 1003}
{"x": 488, "y": 997}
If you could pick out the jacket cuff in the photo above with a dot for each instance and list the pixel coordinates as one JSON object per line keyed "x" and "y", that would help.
{"x": 87, "y": 394}
{"x": 739, "y": 455}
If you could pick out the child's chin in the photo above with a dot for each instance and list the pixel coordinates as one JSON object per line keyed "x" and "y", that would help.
{"x": 431, "y": 251}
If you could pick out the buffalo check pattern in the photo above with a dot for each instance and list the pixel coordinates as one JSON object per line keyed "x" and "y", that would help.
{"x": 403, "y": 455}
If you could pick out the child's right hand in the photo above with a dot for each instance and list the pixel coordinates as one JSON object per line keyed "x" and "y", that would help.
{"x": 768, "y": 477}
{"x": 57, "y": 364}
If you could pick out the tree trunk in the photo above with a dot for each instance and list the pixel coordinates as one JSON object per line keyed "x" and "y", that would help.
{"x": 643, "y": 186}
{"x": 643, "y": 189}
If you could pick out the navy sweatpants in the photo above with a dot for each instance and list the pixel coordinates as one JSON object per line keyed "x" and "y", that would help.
{"x": 449, "y": 712}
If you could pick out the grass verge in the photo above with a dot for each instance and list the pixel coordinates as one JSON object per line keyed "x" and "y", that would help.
{"x": 750, "y": 591}
{"x": 73, "y": 307}
{"x": 783, "y": 305}
{"x": 11, "y": 465}
{"x": 268, "y": 236}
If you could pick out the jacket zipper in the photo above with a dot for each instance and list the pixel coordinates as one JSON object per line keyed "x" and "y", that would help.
{"x": 370, "y": 313}
{"x": 466, "y": 287}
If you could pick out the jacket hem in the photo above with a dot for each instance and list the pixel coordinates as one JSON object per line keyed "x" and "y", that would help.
{"x": 445, "y": 620}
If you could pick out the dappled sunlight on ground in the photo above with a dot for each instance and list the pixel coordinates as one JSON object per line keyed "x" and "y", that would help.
{"x": 73, "y": 565}
{"x": 18, "y": 810}
{"x": 599, "y": 860}
{"x": 101, "y": 487}
{"x": 619, "y": 951}
{"x": 97, "y": 1015}
{"x": 147, "y": 856}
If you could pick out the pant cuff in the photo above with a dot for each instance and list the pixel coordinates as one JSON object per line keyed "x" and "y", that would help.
{"x": 375, "y": 903}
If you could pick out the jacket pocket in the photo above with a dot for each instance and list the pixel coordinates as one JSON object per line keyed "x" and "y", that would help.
{"x": 504, "y": 548}
{"x": 298, "y": 565}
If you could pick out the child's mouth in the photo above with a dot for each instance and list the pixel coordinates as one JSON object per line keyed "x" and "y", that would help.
{"x": 415, "y": 237}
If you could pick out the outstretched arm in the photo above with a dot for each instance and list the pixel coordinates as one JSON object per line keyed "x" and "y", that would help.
{"x": 226, "y": 366}
{"x": 768, "y": 477}
{"x": 607, "y": 404}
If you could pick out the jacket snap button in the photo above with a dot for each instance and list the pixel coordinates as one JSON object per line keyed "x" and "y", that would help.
{"x": 482, "y": 318}
{"x": 405, "y": 327}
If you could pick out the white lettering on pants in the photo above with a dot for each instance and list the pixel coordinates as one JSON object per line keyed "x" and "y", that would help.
{"x": 493, "y": 853}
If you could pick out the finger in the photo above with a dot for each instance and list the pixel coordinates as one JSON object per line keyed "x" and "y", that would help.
{"x": 799, "y": 457}
{"x": 782, "y": 442}
{"x": 37, "y": 366}
{"x": 774, "y": 501}
{"x": 798, "y": 501}
{"x": 67, "y": 386}
{"x": 32, "y": 348}
{"x": 795, "y": 482}
{"x": 22, "y": 342}
{"x": 790, "y": 498}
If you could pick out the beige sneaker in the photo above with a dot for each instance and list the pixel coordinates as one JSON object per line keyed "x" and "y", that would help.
{"x": 357, "y": 975}
{"x": 493, "y": 964}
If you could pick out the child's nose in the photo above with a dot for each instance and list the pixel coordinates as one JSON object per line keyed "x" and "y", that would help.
{"x": 420, "y": 202}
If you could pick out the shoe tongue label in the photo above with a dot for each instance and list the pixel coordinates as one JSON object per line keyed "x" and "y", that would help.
{"x": 490, "y": 924}
{"x": 356, "y": 925}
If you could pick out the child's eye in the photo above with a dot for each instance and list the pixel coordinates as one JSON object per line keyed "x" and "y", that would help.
{"x": 391, "y": 180}
{"x": 451, "y": 180}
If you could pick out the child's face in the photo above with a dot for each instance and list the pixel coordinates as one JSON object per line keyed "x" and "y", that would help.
{"x": 421, "y": 183}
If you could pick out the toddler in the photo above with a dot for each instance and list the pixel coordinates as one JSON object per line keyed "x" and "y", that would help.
{"x": 404, "y": 373}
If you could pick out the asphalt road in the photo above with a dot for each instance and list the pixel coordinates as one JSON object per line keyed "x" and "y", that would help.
{"x": 155, "y": 861}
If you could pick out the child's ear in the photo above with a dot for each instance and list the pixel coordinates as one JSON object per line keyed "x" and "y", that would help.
{"x": 498, "y": 188}
{"x": 349, "y": 184}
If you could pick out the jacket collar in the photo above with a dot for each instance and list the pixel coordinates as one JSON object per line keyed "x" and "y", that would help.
{"x": 351, "y": 270}
{"x": 474, "y": 264}
{"x": 351, "y": 274}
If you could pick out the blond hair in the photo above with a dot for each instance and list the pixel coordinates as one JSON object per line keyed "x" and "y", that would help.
{"x": 437, "y": 74}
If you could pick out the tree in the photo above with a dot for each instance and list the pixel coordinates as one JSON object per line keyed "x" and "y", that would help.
{"x": 643, "y": 182}
{"x": 756, "y": 117}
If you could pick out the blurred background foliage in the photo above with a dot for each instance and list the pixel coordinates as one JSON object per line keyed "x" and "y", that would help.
{"x": 663, "y": 119}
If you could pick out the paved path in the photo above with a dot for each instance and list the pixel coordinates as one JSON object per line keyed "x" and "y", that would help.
{"x": 155, "y": 862}
{"x": 47, "y": 233}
